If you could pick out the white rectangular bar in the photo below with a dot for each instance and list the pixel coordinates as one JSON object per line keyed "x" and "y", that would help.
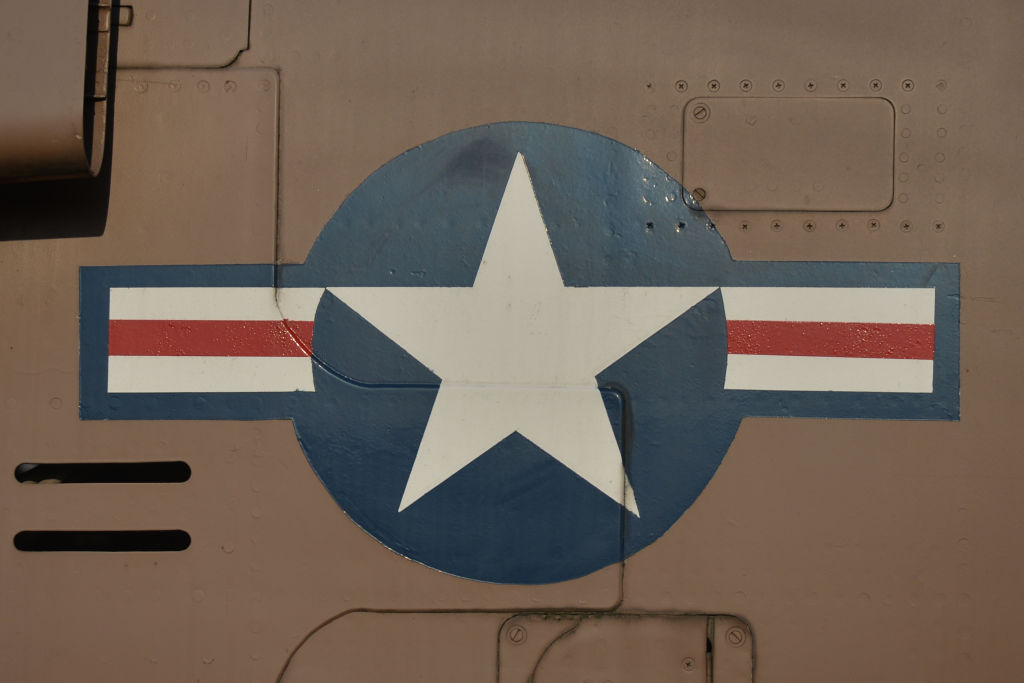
{"x": 811, "y": 373}
{"x": 831, "y": 304}
{"x": 214, "y": 303}
{"x": 201, "y": 374}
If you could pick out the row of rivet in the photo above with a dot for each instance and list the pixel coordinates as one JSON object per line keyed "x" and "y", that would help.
{"x": 202, "y": 86}
{"x": 810, "y": 85}
{"x": 841, "y": 225}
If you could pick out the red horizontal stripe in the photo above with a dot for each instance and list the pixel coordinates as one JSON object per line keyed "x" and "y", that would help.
{"x": 837, "y": 340}
{"x": 279, "y": 338}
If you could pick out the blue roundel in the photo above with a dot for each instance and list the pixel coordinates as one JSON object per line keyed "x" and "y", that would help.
{"x": 515, "y": 512}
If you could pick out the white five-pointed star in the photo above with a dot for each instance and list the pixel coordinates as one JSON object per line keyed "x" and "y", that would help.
{"x": 518, "y": 351}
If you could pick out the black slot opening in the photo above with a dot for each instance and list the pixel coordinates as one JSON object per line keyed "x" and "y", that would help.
{"x": 162, "y": 540}
{"x": 103, "y": 472}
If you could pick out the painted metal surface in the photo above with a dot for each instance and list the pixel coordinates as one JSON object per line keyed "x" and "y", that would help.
{"x": 881, "y": 549}
{"x": 482, "y": 319}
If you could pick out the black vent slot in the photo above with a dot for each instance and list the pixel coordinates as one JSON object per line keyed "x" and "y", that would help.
{"x": 174, "y": 471}
{"x": 163, "y": 540}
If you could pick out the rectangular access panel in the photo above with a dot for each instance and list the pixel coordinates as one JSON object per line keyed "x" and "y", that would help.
{"x": 789, "y": 154}
{"x": 508, "y": 647}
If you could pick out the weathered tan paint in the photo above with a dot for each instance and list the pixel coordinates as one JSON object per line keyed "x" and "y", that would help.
{"x": 855, "y": 549}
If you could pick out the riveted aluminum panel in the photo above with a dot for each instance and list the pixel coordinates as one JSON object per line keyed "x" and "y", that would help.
{"x": 655, "y": 648}
{"x": 854, "y": 548}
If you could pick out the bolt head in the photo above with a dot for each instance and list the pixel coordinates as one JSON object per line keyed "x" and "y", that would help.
{"x": 516, "y": 634}
{"x": 736, "y": 636}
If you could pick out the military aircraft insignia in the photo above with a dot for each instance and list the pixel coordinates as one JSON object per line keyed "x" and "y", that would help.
{"x": 518, "y": 353}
